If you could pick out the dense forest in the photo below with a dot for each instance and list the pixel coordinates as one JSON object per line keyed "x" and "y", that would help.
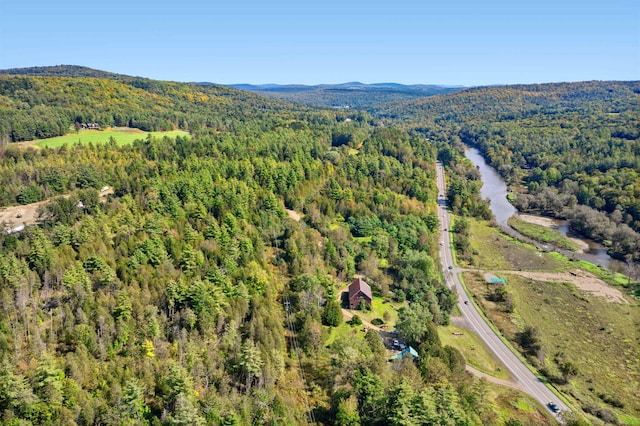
{"x": 195, "y": 294}
{"x": 189, "y": 296}
{"x": 568, "y": 150}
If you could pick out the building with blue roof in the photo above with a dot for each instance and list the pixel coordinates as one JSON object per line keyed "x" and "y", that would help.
{"x": 408, "y": 351}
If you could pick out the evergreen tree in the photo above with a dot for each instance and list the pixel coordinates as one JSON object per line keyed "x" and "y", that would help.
{"x": 332, "y": 314}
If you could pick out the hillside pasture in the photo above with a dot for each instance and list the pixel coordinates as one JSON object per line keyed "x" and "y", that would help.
{"x": 122, "y": 136}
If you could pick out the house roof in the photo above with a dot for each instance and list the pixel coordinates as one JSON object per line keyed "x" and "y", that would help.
{"x": 406, "y": 352}
{"x": 359, "y": 285}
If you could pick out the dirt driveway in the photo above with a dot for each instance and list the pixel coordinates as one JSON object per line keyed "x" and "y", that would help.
{"x": 19, "y": 215}
{"x": 581, "y": 279}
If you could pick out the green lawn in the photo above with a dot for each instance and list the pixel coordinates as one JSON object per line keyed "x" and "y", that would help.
{"x": 339, "y": 222}
{"x": 121, "y": 136}
{"x": 378, "y": 307}
{"x": 363, "y": 240}
{"x": 343, "y": 332}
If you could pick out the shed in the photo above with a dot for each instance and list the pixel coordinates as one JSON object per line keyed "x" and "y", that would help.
{"x": 359, "y": 291}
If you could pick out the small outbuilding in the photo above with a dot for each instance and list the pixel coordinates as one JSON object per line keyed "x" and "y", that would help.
{"x": 359, "y": 291}
{"x": 406, "y": 352}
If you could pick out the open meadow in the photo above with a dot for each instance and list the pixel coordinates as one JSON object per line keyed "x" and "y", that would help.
{"x": 122, "y": 136}
{"x": 586, "y": 339}
{"x": 494, "y": 250}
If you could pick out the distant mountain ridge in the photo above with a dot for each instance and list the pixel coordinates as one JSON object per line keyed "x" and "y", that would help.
{"x": 352, "y": 85}
{"x": 351, "y": 94}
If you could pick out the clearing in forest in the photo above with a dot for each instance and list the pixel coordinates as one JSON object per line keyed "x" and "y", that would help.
{"x": 122, "y": 136}
{"x": 27, "y": 214}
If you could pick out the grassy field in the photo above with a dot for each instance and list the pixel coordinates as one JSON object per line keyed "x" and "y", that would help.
{"x": 542, "y": 234}
{"x": 598, "y": 337}
{"x": 497, "y": 251}
{"x": 378, "y": 308}
{"x": 344, "y": 332}
{"x": 475, "y": 352}
{"x": 363, "y": 240}
{"x": 121, "y": 136}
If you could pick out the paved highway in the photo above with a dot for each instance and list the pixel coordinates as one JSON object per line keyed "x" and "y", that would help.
{"x": 526, "y": 380}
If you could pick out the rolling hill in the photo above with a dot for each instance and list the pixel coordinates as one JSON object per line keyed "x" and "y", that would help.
{"x": 347, "y": 95}
{"x": 44, "y": 102}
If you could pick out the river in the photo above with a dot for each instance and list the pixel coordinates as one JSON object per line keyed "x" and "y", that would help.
{"x": 495, "y": 189}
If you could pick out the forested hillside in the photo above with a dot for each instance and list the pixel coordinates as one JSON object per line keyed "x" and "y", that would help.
{"x": 66, "y": 71}
{"x": 190, "y": 296}
{"x": 43, "y": 106}
{"x": 570, "y": 150}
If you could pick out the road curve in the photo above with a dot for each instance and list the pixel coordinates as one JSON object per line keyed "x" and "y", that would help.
{"x": 524, "y": 378}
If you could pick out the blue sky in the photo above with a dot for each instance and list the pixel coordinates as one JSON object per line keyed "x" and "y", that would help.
{"x": 466, "y": 42}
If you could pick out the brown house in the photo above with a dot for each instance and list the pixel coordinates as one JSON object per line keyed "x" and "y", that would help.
{"x": 359, "y": 291}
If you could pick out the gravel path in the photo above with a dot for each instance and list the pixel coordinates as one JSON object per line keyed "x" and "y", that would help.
{"x": 489, "y": 378}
